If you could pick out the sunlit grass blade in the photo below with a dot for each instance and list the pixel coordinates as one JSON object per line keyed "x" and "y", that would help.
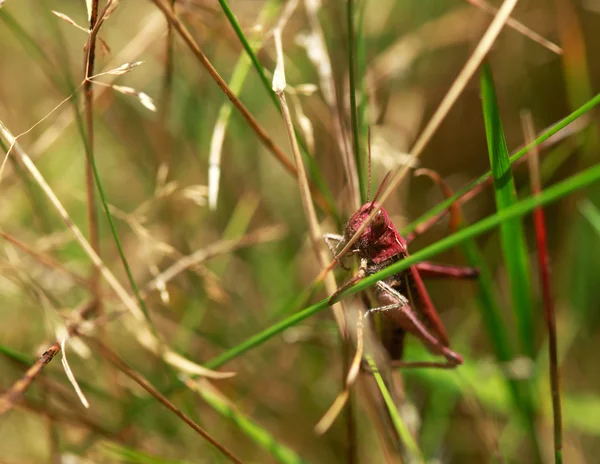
{"x": 521, "y": 208}
{"x": 512, "y": 237}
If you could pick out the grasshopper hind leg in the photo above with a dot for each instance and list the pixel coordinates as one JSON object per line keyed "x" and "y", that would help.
{"x": 398, "y": 309}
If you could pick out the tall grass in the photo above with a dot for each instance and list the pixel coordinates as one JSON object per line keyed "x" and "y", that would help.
{"x": 214, "y": 340}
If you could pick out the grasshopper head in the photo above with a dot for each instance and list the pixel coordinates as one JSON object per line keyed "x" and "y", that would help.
{"x": 378, "y": 226}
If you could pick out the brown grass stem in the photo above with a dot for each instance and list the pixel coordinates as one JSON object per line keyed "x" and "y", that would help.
{"x": 88, "y": 95}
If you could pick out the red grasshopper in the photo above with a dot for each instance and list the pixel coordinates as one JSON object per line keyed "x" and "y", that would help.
{"x": 403, "y": 299}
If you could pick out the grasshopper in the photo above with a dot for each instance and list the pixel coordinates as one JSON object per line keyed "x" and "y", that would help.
{"x": 403, "y": 299}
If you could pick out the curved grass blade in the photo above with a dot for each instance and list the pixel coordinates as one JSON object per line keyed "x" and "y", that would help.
{"x": 553, "y": 193}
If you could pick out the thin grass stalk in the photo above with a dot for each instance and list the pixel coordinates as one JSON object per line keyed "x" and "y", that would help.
{"x": 317, "y": 52}
{"x": 524, "y": 206}
{"x": 544, "y": 270}
{"x": 314, "y": 228}
{"x": 115, "y": 360}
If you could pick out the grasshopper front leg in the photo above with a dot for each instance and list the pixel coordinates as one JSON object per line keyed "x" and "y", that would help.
{"x": 333, "y": 243}
{"x": 362, "y": 272}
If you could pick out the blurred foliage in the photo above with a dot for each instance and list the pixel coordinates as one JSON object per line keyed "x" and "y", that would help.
{"x": 154, "y": 170}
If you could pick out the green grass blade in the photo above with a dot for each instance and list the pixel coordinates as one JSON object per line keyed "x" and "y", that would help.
{"x": 512, "y": 236}
{"x": 553, "y": 193}
{"x": 514, "y": 248}
{"x": 399, "y": 424}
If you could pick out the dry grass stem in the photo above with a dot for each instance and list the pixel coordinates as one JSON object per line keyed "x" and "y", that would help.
{"x": 88, "y": 95}
{"x": 315, "y": 233}
{"x": 11, "y": 397}
{"x": 70, "y": 374}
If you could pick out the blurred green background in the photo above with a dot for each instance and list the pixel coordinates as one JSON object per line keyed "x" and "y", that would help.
{"x": 154, "y": 170}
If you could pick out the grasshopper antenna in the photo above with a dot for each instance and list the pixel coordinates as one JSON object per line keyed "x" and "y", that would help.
{"x": 381, "y": 186}
{"x": 369, "y": 163}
